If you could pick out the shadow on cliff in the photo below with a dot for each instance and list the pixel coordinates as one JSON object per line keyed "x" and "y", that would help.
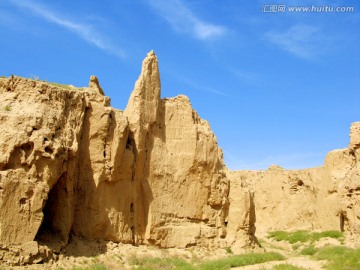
{"x": 155, "y": 138}
{"x": 81, "y": 218}
{"x": 252, "y": 221}
{"x": 73, "y": 214}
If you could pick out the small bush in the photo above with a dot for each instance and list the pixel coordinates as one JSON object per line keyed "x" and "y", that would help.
{"x": 291, "y": 237}
{"x": 328, "y": 253}
{"x": 221, "y": 264}
{"x": 330, "y": 234}
{"x": 159, "y": 263}
{"x": 8, "y": 108}
{"x": 310, "y": 250}
{"x": 241, "y": 260}
{"x": 228, "y": 250}
{"x": 279, "y": 235}
{"x": 299, "y": 236}
{"x": 135, "y": 261}
{"x": 97, "y": 266}
{"x": 304, "y": 236}
{"x": 286, "y": 267}
{"x": 339, "y": 257}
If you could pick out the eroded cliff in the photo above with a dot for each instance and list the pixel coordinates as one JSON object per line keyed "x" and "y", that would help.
{"x": 323, "y": 198}
{"x": 72, "y": 165}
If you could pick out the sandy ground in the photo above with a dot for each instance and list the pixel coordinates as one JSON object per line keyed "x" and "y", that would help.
{"x": 120, "y": 256}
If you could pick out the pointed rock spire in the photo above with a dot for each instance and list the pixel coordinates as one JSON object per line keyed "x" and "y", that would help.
{"x": 94, "y": 85}
{"x": 142, "y": 107}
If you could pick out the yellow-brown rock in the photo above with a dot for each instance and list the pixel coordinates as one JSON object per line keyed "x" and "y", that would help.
{"x": 323, "y": 198}
{"x": 178, "y": 169}
{"x": 71, "y": 164}
{"x": 152, "y": 174}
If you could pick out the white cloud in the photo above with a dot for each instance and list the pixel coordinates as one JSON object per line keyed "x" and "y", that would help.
{"x": 301, "y": 40}
{"x": 84, "y": 31}
{"x": 183, "y": 20}
{"x": 196, "y": 86}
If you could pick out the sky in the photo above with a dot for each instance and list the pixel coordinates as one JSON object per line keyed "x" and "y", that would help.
{"x": 277, "y": 86}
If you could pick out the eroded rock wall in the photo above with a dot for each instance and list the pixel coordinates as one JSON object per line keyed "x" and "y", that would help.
{"x": 71, "y": 164}
{"x": 187, "y": 179}
{"x": 323, "y": 198}
{"x": 178, "y": 168}
{"x": 349, "y": 186}
{"x": 153, "y": 174}
{"x": 105, "y": 172}
{"x": 41, "y": 128}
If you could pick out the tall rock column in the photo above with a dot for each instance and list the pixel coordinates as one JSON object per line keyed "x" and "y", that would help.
{"x": 142, "y": 112}
{"x": 179, "y": 185}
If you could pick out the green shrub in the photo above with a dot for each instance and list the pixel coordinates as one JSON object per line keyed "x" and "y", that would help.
{"x": 97, "y": 266}
{"x": 339, "y": 257}
{"x": 309, "y": 250}
{"x": 286, "y": 266}
{"x": 228, "y": 250}
{"x": 160, "y": 263}
{"x": 330, "y": 234}
{"x": 304, "y": 236}
{"x": 279, "y": 235}
{"x": 8, "y": 108}
{"x": 241, "y": 260}
{"x": 291, "y": 237}
{"x": 299, "y": 236}
{"x": 221, "y": 264}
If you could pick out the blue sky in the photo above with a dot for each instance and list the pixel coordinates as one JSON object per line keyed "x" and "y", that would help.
{"x": 277, "y": 87}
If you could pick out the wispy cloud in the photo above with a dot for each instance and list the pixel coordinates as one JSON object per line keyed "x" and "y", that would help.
{"x": 84, "y": 31}
{"x": 246, "y": 76}
{"x": 301, "y": 40}
{"x": 196, "y": 86}
{"x": 183, "y": 20}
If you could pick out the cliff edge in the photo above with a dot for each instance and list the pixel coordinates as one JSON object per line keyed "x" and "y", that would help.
{"x": 71, "y": 165}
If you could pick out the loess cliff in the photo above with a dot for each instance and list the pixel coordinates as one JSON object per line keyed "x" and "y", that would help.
{"x": 323, "y": 198}
{"x": 73, "y": 166}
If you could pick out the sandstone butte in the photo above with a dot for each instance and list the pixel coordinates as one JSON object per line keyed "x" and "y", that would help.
{"x": 153, "y": 174}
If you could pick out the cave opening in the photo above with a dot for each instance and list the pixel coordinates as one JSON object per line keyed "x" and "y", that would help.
{"x": 54, "y": 226}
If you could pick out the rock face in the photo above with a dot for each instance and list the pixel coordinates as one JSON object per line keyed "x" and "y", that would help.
{"x": 71, "y": 164}
{"x": 178, "y": 168}
{"x": 323, "y": 198}
{"x": 349, "y": 186}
